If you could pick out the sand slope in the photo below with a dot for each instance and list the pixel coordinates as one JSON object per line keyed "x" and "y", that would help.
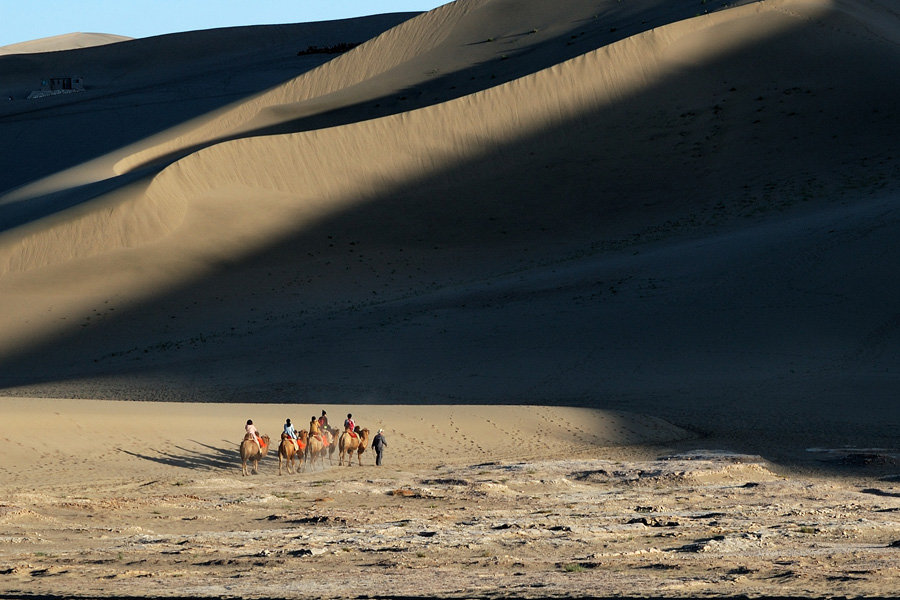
{"x": 669, "y": 221}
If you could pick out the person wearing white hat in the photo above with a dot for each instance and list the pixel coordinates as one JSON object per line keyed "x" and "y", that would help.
{"x": 379, "y": 444}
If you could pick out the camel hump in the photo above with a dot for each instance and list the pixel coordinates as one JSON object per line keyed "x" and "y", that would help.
{"x": 248, "y": 437}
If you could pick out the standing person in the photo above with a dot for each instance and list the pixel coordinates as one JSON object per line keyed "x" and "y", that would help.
{"x": 379, "y": 443}
{"x": 250, "y": 428}
{"x": 291, "y": 432}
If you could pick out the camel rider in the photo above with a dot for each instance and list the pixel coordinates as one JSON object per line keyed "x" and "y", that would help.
{"x": 291, "y": 432}
{"x": 250, "y": 428}
{"x": 323, "y": 422}
{"x": 350, "y": 426}
{"x": 314, "y": 429}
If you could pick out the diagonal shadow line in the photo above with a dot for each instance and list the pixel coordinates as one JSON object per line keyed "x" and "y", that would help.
{"x": 434, "y": 91}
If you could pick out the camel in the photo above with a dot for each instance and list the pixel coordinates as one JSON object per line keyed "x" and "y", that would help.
{"x": 331, "y": 436}
{"x": 349, "y": 443}
{"x": 315, "y": 449}
{"x": 287, "y": 452}
{"x": 250, "y": 453}
{"x": 332, "y": 444}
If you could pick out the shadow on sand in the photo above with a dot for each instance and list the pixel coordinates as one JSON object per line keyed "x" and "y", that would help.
{"x": 210, "y": 459}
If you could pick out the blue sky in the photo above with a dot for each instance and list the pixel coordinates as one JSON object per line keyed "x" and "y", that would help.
{"x": 24, "y": 20}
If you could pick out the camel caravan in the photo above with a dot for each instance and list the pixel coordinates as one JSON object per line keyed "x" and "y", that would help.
{"x": 307, "y": 447}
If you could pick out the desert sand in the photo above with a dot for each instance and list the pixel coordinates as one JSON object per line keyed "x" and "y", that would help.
{"x": 618, "y": 280}
{"x": 112, "y": 499}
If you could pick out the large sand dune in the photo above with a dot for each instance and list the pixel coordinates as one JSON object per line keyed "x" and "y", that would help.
{"x": 689, "y": 216}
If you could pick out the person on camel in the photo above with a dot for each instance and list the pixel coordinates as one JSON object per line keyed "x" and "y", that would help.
{"x": 323, "y": 422}
{"x": 250, "y": 428}
{"x": 314, "y": 429}
{"x": 291, "y": 432}
{"x": 350, "y": 426}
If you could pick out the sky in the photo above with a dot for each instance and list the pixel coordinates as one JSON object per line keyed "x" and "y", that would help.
{"x": 25, "y": 20}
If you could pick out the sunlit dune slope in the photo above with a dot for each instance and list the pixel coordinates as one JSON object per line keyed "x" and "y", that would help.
{"x": 67, "y": 41}
{"x": 454, "y": 50}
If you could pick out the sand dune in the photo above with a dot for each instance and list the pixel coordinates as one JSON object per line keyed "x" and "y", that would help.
{"x": 667, "y": 219}
{"x": 67, "y": 41}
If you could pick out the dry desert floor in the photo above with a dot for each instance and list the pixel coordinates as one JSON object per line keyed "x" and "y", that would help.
{"x": 137, "y": 499}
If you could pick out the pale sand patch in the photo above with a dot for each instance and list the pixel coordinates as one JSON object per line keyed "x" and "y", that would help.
{"x": 85, "y": 440}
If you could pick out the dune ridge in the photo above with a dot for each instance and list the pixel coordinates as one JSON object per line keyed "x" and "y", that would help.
{"x": 66, "y": 41}
{"x": 386, "y": 51}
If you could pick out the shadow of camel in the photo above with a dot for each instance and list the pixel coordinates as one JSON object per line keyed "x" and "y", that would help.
{"x": 212, "y": 458}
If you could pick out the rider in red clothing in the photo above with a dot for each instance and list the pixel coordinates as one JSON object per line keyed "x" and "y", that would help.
{"x": 350, "y": 426}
